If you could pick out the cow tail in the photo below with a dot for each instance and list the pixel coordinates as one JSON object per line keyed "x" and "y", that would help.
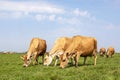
{"x": 95, "y": 45}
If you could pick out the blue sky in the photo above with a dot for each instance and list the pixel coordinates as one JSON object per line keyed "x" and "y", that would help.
{"x": 21, "y": 20}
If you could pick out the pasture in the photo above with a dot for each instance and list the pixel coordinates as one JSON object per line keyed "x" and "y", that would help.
{"x": 106, "y": 69}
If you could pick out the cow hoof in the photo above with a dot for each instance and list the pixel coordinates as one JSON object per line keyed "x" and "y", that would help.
{"x": 61, "y": 67}
{"x": 25, "y": 65}
{"x": 76, "y": 66}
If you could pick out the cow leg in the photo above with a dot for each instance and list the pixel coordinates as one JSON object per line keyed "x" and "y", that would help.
{"x": 76, "y": 59}
{"x": 95, "y": 58}
{"x": 29, "y": 58}
{"x": 42, "y": 58}
{"x": 35, "y": 58}
{"x": 111, "y": 56}
{"x": 103, "y": 54}
{"x": 56, "y": 60}
{"x": 85, "y": 60}
{"x": 72, "y": 61}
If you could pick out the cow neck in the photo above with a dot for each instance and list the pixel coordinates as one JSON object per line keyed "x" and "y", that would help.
{"x": 52, "y": 55}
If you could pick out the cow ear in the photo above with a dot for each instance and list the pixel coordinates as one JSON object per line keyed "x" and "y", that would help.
{"x": 67, "y": 54}
{"x": 22, "y": 57}
{"x": 63, "y": 50}
{"x": 47, "y": 54}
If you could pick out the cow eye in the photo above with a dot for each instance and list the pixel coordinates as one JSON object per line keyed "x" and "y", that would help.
{"x": 64, "y": 60}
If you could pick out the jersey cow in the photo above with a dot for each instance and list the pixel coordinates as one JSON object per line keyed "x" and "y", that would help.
{"x": 37, "y": 48}
{"x": 110, "y": 51}
{"x": 80, "y": 46}
{"x": 60, "y": 45}
{"x": 102, "y": 51}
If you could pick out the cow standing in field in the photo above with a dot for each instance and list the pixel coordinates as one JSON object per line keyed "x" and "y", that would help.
{"x": 37, "y": 48}
{"x": 61, "y": 44}
{"x": 80, "y": 46}
{"x": 102, "y": 51}
{"x": 110, "y": 51}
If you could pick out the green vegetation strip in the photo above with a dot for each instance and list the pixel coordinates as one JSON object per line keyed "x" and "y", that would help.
{"x": 106, "y": 69}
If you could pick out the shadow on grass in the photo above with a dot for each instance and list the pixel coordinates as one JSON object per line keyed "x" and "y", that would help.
{"x": 79, "y": 65}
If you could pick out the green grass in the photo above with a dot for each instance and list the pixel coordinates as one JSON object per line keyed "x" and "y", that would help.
{"x": 106, "y": 69}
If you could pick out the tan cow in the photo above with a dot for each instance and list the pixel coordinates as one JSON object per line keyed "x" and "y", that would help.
{"x": 80, "y": 46}
{"x": 60, "y": 45}
{"x": 110, "y": 51}
{"x": 102, "y": 51}
{"x": 37, "y": 48}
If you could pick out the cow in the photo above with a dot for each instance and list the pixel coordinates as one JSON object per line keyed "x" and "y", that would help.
{"x": 110, "y": 51}
{"x": 102, "y": 51}
{"x": 80, "y": 46}
{"x": 60, "y": 45}
{"x": 37, "y": 48}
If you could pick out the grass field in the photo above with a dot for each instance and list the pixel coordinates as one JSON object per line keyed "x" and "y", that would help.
{"x": 106, "y": 69}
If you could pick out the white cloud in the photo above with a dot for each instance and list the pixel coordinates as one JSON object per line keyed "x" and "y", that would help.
{"x": 72, "y": 20}
{"x": 42, "y": 11}
{"x": 15, "y": 15}
{"x": 40, "y": 17}
{"x": 37, "y": 7}
{"x": 52, "y": 17}
{"x": 60, "y": 19}
{"x": 78, "y": 12}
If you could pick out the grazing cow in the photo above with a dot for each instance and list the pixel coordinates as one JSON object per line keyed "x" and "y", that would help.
{"x": 37, "y": 48}
{"x": 110, "y": 51}
{"x": 80, "y": 46}
{"x": 102, "y": 51}
{"x": 60, "y": 45}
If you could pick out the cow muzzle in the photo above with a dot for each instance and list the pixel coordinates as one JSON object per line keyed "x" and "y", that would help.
{"x": 107, "y": 56}
{"x": 25, "y": 65}
{"x": 47, "y": 61}
{"x": 62, "y": 67}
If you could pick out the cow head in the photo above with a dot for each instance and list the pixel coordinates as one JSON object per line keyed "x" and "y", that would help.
{"x": 47, "y": 60}
{"x": 63, "y": 60}
{"x": 107, "y": 54}
{"x": 101, "y": 53}
{"x": 26, "y": 61}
